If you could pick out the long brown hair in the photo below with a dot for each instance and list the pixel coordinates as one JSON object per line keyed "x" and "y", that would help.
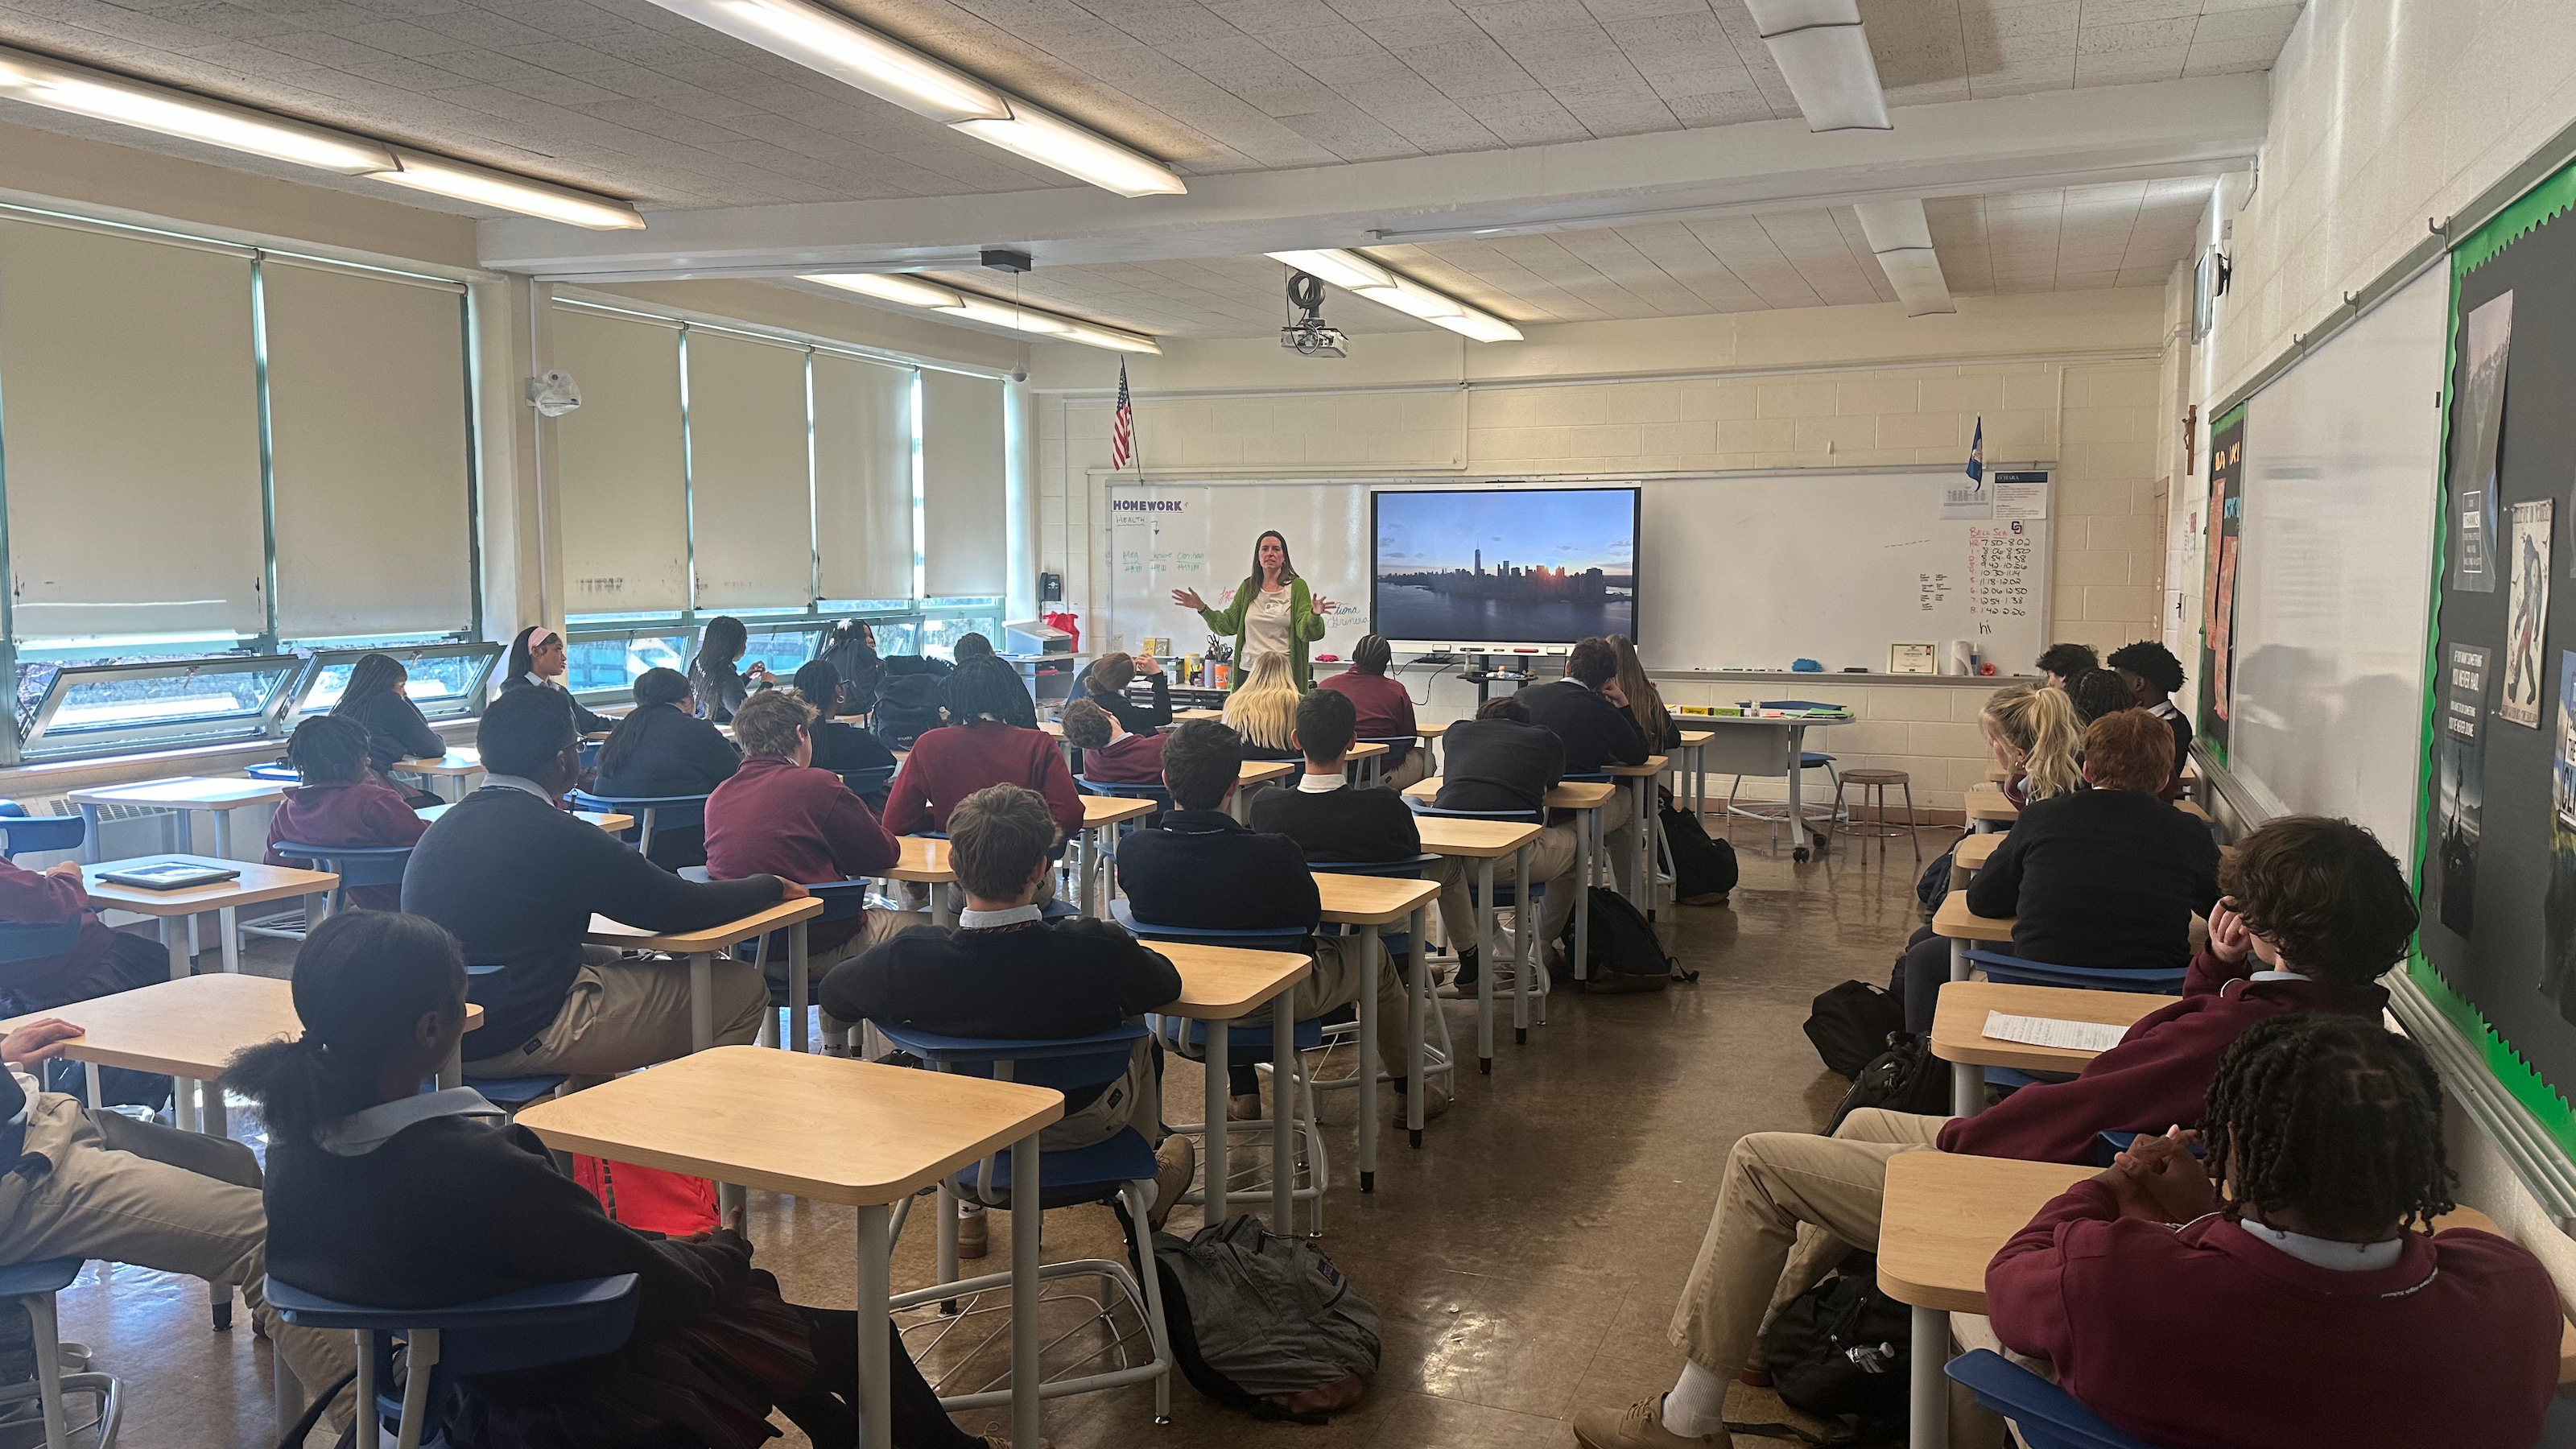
{"x": 1644, "y": 700}
{"x": 1287, "y": 566}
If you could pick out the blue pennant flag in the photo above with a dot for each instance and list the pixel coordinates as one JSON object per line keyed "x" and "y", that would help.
{"x": 1977, "y": 455}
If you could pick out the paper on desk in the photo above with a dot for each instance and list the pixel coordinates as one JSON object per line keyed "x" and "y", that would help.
{"x": 2048, "y": 1031}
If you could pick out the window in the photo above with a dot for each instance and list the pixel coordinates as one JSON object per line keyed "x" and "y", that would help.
{"x": 446, "y": 679}
{"x": 602, "y": 666}
{"x": 103, "y": 708}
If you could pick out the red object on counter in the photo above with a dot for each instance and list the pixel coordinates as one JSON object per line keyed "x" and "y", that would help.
{"x": 1070, "y": 624}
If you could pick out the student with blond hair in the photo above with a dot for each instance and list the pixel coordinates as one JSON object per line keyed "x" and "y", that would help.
{"x": 2033, "y": 736}
{"x": 1264, "y": 711}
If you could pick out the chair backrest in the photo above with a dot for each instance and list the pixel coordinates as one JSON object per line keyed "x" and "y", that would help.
{"x": 652, "y": 812}
{"x": 2048, "y": 1416}
{"x": 1068, "y": 1065}
{"x": 276, "y": 774}
{"x": 1517, "y": 817}
{"x": 1117, "y": 790}
{"x": 1409, "y": 868}
{"x": 1397, "y": 747}
{"x": 869, "y": 780}
{"x": 2020, "y": 971}
{"x": 20, "y": 831}
{"x": 1269, "y": 938}
{"x": 35, "y": 943}
{"x": 356, "y": 865}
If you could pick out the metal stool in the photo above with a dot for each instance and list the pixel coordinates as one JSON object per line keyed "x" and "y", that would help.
{"x": 1846, "y": 821}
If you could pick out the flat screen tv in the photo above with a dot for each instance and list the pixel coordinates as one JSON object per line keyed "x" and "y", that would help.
{"x": 1502, "y": 566}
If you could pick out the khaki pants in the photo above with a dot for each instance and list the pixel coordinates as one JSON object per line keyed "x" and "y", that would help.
{"x": 1337, "y": 981}
{"x": 1134, "y": 1100}
{"x": 1551, "y": 863}
{"x": 1792, "y": 1206}
{"x": 876, "y": 928}
{"x": 140, "y": 1193}
{"x": 1619, "y": 832}
{"x": 629, "y": 1012}
{"x": 1416, "y": 768}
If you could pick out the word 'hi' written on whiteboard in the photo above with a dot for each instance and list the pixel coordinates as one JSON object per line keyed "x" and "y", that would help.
{"x": 2000, "y": 558}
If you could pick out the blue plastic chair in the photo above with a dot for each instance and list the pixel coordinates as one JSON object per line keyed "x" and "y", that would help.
{"x": 2049, "y": 1417}
{"x": 507, "y": 1093}
{"x": 275, "y": 774}
{"x": 651, "y": 812}
{"x": 32, "y": 1286}
{"x": 1161, "y": 797}
{"x": 2021, "y": 971}
{"x": 356, "y": 865}
{"x": 21, "y": 832}
{"x": 867, "y": 781}
{"x": 529, "y": 1328}
{"x": 1120, "y": 1170}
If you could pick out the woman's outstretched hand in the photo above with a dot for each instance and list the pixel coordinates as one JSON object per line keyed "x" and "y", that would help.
{"x": 1189, "y": 599}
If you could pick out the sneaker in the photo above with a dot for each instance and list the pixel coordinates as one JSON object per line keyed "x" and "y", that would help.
{"x": 1243, "y": 1107}
{"x": 971, "y": 1237}
{"x": 1175, "y": 1163}
{"x": 1638, "y": 1426}
{"x": 1432, "y": 1106}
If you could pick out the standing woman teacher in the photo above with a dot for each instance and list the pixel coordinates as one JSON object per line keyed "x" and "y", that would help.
{"x": 1270, "y": 611}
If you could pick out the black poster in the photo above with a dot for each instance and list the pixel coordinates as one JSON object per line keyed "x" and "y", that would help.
{"x": 2218, "y": 596}
{"x": 2460, "y": 792}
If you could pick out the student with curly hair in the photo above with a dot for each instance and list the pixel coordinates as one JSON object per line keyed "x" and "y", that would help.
{"x": 2062, "y": 662}
{"x": 2292, "y": 1290}
{"x": 341, "y": 802}
{"x": 2153, "y": 674}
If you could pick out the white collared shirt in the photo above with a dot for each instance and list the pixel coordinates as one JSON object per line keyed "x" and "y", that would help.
{"x": 974, "y": 920}
{"x": 518, "y": 782}
{"x": 1320, "y": 784}
{"x": 363, "y": 1132}
{"x": 2275, "y": 976}
{"x": 2328, "y": 1253}
{"x": 28, "y": 1087}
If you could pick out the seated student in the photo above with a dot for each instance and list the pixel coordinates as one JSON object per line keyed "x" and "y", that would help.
{"x": 101, "y": 962}
{"x": 384, "y": 1194}
{"x": 2316, "y": 911}
{"x": 1006, "y": 972}
{"x": 100, "y": 1184}
{"x": 396, "y": 729}
{"x": 838, "y": 746}
{"x": 2153, "y": 674}
{"x": 662, "y": 748}
{"x": 1385, "y": 710}
{"x": 341, "y": 802}
{"x": 1110, "y": 755}
{"x": 1589, "y": 711}
{"x": 2062, "y": 662}
{"x": 1328, "y": 819}
{"x": 1500, "y": 760}
{"x": 1263, "y": 712}
{"x": 517, "y": 879}
{"x": 1200, "y": 867}
{"x": 1012, "y": 705}
{"x": 2031, "y": 733}
{"x": 537, "y": 662}
{"x": 2098, "y": 692}
{"x": 956, "y": 760}
{"x": 779, "y": 816}
{"x": 717, "y": 681}
{"x": 2107, "y": 877}
{"x": 1645, "y": 702}
{"x": 851, "y": 649}
{"x": 1104, "y": 683}
{"x": 2303, "y": 1298}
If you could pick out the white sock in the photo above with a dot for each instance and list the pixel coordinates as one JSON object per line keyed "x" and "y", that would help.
{"x": 1696, "y": 1407}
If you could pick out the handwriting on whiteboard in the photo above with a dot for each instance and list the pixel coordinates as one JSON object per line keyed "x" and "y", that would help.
{"x": 1931, "y": 591}
{"x": 2000, "y": 560}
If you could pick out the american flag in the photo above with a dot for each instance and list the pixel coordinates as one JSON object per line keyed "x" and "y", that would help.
{"x": 1122, "y": 431}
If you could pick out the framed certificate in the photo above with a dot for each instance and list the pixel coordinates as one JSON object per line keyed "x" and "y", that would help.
{"x": 1912, "y": 659}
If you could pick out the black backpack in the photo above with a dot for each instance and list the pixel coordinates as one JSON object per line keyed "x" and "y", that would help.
{"x": 1265, "y": 1324}
{"x": 1904, "y": 1078}
{"x": 907, "y": 707}
{"x": 1851, "y": 1024}
{"x": 1843, "y": 1351}
{"x": 1624, "y": 954}
{"x": 1701, "y": 866}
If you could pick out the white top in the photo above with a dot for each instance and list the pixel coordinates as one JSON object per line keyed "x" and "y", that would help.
{"x": 1320, "y": 784}
{"x": 1265, "y": 626}
{"x": 2327, "y": 1252}
{"x": 975, "y": 920}
{"x": 364, "y": 1131}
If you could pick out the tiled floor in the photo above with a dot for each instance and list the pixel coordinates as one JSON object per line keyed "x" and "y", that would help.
{"x": 1525, "y": 1260}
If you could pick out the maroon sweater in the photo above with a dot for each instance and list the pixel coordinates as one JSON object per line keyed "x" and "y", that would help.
{"x": 775, "y": 817}
{"x": 1131, "y": 760}
{"x": 948, "y": 764}
{"x": 359, "y": 813}
{"x": 32, "y": 898}
{"x": 2205, "y": 1335}
{"x": 1385, "y": 710}
{"x": 2157, "y": 1075}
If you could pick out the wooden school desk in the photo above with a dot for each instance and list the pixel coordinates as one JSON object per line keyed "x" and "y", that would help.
{"x": 446, "y": 774}
{"x": 1694, "y": 752}
{"x": 609, "y": 820}
{"x": 1959, "y": 926}
{"x": 1101, "y": 817}
{"x": 701, "y": 946}
{"x": 1221, "y": 985}
{"x": 1585, "y": 798}
{"x": 1367, "y": 902}
{"x": 925, "y": 862}
{"x": 1970, "y": 856}
{"x": 188, "y": 1030}
{"x": 1987, "y": 808}
{"x": 1946, "y": 1216}
{"x": 1431, "y": 735}
{"x": 839, "y": 1131}
{"x": 1959, "y": 1030}
{"x": 1484, "y": 842}
{"x": 1185, "y": 716}
{"x": 1368, "y": 758}
{"x": 256, "y": 885}
{"x": 179, "y": 799}
{"x": 1259, "y": 772}
{"x": 1640, "y": 780}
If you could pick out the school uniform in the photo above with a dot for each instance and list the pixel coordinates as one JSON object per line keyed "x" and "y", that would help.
{"x": 717, "y": 689}
{"x": 1017, "y": 709}
{"x": 1011, "y": 975}
{"x": 517, "y": 879}
{"x": 665, "y": 752}
{"x": 1331, "y": 820}
{"x": 100, "y": 962}
{"x": 1502, "y": 764}
{"x": 1126, "y": 760}
{"x": 777, "y": 818}
{"x": 954, "y": 761}
{"x": 1385, "y": 711}
{"x": 396, "y": 729}
{"x": 2164, "y": 709}
{"x": 1136, "y": 719}
{"x": 2226, "y": 1334}
{"x": 842, "y": 748}
{"x": 582, "y": 719}
{"x": 1596, "y": 733}
{"x": 356, "y": 813}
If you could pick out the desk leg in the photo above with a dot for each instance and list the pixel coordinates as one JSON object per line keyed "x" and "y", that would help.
{"x": 1928, "y": 1405}
{"x": 1522, "y": 956}
{"x": 89, "y": 835}
{"x": 797, "y": 988}
{"x": 183, "y": 1092}
{"x": 1644, "y": 877}
{"x": 1212, "y": 1196}
{"x": 1967, "y": 1089}
{"x": 1283, "y": 1116}
{"x": 1582, "y": 886}
{"x": 228, "y": 920}
{"x": 876, "y": 1371}
{"x": 223, "y": 835}
{"x": 1485, "y": 962}
{"x": 943, "y": 905}
{"x": 1026, "y": 1216}
{"x": 1958, "y": 960}
{"x": 1368, "y": 939}
{"x": 702, "y": 1005}
{"x": 1798, "y": 837}
{"x": 1417, "y": 994}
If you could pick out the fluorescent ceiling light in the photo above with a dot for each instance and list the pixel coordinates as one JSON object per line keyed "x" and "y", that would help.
{"x": 86, "y": 92}
{"x": 1900, "y": 235}
{"x": 1078, "y": 153}
{"x": 511, "y": 193}
{"x": 833, "y": 44}
{"x": 1823, "y": 53}
{"x": 910, "y": 291}
{"x": 1364, "y": 277}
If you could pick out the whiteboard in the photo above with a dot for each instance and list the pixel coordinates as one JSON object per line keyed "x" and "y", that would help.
{"x": 2334, "y": 571}
{"x": 1740, "y": 572}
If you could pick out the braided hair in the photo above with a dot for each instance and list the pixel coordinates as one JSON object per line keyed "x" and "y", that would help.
{"x": 2334, "y": 1118}
{"x": 328, "y": 749}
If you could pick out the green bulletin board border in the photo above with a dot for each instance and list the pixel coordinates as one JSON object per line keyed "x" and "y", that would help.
{"x": 2209, "y": 529}
{"x": 2548, "y": 1106}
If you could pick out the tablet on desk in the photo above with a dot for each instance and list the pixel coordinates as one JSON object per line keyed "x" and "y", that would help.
{"x": 175, "y": 875}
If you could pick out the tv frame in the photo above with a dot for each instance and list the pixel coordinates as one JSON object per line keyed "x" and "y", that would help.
{"x": 1636, "y": 532}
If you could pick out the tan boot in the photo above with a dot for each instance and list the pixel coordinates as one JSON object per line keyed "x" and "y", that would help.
{"x": 1175, "y": 1163}
{"x": 1638, "y": 1426}
{"x": 972, "y": 1238}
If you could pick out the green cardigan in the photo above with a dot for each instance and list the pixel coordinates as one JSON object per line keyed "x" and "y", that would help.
{"x": 1304, "y": 624}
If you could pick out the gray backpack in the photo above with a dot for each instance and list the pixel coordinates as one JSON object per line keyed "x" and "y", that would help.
{"x": 1265, "y": 1324}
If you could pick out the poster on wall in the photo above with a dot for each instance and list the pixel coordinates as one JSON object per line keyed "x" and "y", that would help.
{"x": 2558, "y": 910}
{"x": 2218, "y": 597}
{"x": 2527, "y": 615}
{"x": 2485, "y": 343}
{"x": 2461, "y": 805}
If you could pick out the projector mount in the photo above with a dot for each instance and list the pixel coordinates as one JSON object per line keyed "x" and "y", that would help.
{"x": 1309, "y": 335}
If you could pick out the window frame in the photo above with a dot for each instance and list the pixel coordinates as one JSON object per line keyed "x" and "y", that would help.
{"x": 815, "y": 622}
{"x": 195, "y": 731}
{"x": 467, "y": 705}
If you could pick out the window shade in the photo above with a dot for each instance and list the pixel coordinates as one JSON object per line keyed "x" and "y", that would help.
{"x": 863, "y": 477}
{"x": 618, "y": 462}
{"x": 964, "y": 506}
{"x": 367, "y": 448}
{"x": 129, "y": 413}
{"x": 748, "y": 477}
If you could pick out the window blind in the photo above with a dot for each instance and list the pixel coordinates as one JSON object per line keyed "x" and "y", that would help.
{"x": 965, "y": 508}
{"x": 621, "y": 485}
{"x": 863, "y": 477}
{"x": 750, "y": 503}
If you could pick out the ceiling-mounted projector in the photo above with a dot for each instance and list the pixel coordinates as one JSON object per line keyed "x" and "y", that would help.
{"x": 1310, "y": 335}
